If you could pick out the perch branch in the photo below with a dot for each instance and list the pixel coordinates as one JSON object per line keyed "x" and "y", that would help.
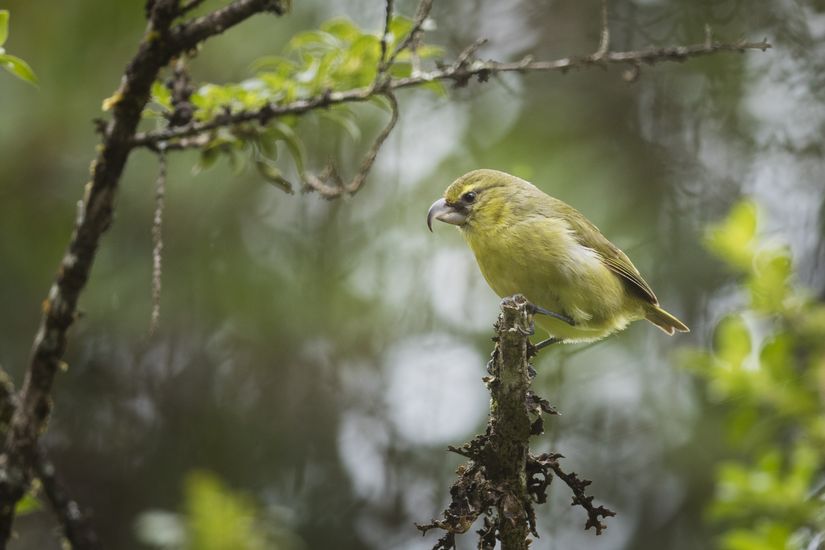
{"x": 502, "y": 480}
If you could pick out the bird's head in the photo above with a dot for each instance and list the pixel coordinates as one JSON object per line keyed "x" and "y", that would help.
{"x": 478, "y": 198}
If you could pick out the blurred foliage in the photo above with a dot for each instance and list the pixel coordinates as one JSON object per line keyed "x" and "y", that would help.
{"x": 214, "y": 518}
{"x": 767, "y": 370}
{"x": 11, "y": 63}
{"x": 29, "y": 503}
{"x": 338, "y": 56}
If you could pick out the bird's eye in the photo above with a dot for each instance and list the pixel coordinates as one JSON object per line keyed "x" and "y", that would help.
{"x": 468, "y": 197}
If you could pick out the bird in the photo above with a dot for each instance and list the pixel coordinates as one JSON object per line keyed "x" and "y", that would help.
{"x": 527, "y": 242}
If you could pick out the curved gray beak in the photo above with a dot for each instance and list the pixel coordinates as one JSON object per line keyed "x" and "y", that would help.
{"x": 442, "y": 211}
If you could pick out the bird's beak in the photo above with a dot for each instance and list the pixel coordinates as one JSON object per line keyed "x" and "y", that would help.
{"x": 442, "y": 211}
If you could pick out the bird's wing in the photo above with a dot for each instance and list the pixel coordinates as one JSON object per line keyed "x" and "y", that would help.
{"x": 616, "y": 260}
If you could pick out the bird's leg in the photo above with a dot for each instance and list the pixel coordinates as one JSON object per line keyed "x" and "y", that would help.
{"x": 538, "y": 309}
{"x": 533, "y": 349}
{"x": 548, "y": 342}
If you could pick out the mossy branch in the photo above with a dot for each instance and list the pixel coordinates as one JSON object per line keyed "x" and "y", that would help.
{"x": 502, "y": 481}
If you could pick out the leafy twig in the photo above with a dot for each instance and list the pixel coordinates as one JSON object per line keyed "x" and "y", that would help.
{"x": 458, "y": 73}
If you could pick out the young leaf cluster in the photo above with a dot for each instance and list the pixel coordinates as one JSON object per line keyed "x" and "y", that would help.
{"x": 767, "y": 370}
{"x": 337, "y": 57}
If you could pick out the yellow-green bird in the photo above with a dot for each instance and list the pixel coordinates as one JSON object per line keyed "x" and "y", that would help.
{"x": 527, "y": 242}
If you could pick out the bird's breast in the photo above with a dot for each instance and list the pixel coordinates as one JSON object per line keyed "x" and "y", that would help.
{"x": 542, "y": 259}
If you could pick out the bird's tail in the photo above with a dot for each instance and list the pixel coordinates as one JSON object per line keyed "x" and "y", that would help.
{"x": 665, "y": 320}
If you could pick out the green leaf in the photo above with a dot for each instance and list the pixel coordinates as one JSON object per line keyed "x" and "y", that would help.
{"x": 293, "y": 143}
{"x": 218, "y": 518}
{"x": 28, "y": 504}
{"x": 274, "y": 176}
{"x": 343, "y": 118}
{"x": 381, "y": 102}
{"x": 769, "y": 284}
{"x": 732, "y": 239}
{"x": 426, "y": 51}
{"x": 342, "y": 28}
{"x": 732, "y": 341}
{"x": 311, "y": 40}
{"x": 437, "y": 87}
{"x": 18, "y": 68}
{"x": 207, "y": 160}
{"x": 4, "y": 26}
{"x": 765, "y": 536}
{"x": 400, "y": 27}
{"x": 161, "y": 95}
{"x": 273, "y": 63}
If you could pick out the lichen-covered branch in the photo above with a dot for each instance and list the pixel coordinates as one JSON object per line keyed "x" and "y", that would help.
{"x": 502, "y": 481}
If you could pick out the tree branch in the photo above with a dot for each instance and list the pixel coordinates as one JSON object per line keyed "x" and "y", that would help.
{"x": 158, "y": 47}
{"x": 76, "y": 527}
{"x": 502, "y": 479}
{"x": 188, "y": 35}
{"x": 460, "y": 73}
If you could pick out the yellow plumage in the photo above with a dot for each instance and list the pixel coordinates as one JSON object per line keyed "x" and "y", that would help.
{"x": 528, "y": 242}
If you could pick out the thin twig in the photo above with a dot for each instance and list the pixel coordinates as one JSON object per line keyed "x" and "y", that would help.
{"x": 157, "y": 241}
{"x": 467, "y": 53}
{"x": 321, "y": 184}
{"x": 382, "y": 62}
{"x": 414, "y": 36}
{"x": 595, "y": 514}
{"x": 604, "y": 40}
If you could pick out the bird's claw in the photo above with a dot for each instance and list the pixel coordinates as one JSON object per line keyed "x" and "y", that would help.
{"x": 528, "y": 331}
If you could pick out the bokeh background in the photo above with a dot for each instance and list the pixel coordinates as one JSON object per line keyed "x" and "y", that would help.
{"x": 314, "y": 359}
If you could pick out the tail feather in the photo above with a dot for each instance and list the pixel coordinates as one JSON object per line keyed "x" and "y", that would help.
{"x": 665, "y": 320}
